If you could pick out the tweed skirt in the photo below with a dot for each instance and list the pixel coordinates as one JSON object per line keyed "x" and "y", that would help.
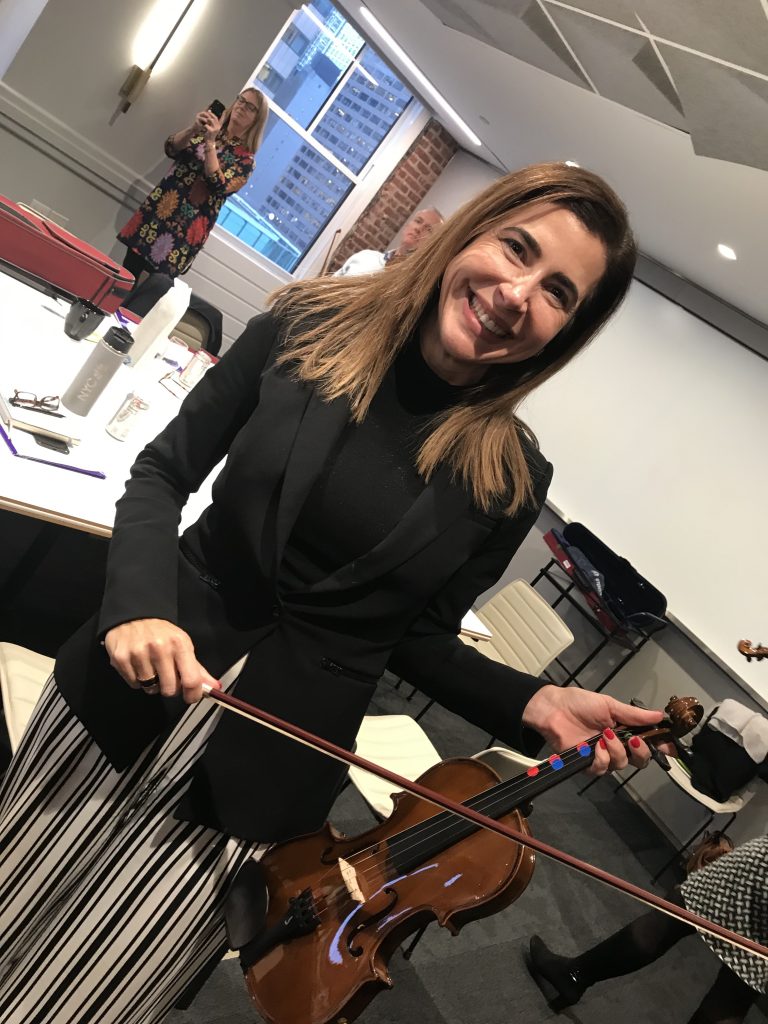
{"x": 733, "y": 892}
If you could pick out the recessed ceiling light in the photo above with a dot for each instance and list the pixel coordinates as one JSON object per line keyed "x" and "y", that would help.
{"x": 571, "y": 163}
{"x": 726, "y": 252}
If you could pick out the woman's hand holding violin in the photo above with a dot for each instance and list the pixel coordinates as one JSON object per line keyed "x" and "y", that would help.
{"x": 156, "y": 656}
{"x": 567, "y": 715}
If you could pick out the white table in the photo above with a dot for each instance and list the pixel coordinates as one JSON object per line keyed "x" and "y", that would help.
{"x": 471, "y": 626}
{"x": 36, "y": 355}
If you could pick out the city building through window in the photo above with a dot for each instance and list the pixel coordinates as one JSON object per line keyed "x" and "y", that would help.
{"x": 333, "y": 101}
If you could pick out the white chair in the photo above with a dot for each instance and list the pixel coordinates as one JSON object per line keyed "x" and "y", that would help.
{"x": 731, "y": 807}
{"x": 527, "y": 633}
{"x": 680, "y": 777}
{"x": 23, "y": 674}
{"x": 396, "y": 742}
{"x": 506, "y": 763}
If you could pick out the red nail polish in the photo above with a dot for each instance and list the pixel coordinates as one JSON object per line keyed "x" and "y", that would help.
{"x": 635, "y": 741}
{"x": 609, "y": 734}
{"x": 601, "y": 743}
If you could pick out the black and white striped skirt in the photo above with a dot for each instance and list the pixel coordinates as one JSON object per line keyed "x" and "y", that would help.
{"x": 109, "y": 906}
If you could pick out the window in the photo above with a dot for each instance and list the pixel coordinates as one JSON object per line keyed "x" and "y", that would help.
{"x": 323, "y": 82}
{"x": 269, "y": 80}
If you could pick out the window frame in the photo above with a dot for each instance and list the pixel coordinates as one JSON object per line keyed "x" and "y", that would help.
{"x": 364, "y": 184}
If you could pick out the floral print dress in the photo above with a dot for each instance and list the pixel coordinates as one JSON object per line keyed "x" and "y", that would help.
{"x": 172, "y": 224}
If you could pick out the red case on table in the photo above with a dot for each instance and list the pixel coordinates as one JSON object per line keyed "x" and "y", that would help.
{"x": 44, "y": 254}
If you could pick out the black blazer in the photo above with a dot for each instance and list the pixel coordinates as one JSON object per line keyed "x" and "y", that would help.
{"x": 316, "y": 654}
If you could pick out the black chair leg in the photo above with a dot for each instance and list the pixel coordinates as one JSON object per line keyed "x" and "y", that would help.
{"x": 586, "y": 787}
{"x": 408, "y": 951}
{"x": 424, "y": 710}
{"x": 679, "y": 853}
{"x": 597, "y": 778}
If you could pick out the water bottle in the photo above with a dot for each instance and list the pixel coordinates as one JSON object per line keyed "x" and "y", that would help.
{"x": 152, "y": 333}
{"x": 97, "y": 371}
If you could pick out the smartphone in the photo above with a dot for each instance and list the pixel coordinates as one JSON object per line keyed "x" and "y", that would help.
{"x": 217, "y": 108}
{"x": 54, "y": 444}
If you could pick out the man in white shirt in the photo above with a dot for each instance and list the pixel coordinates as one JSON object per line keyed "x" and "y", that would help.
{"x": 368, "y": 261}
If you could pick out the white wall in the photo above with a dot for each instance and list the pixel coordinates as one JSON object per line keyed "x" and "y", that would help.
{"x": 656, "y": 432}
{"x": 668, "y": 665}
{"x": 16, "y": 20}
{"x": 462, "y": 179}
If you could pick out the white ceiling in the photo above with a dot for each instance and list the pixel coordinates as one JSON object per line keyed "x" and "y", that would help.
{"x": 682, "y": 204}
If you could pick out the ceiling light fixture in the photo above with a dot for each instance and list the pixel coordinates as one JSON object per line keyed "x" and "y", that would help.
{"x": 726, "y": 252}
{"x": 415, "y": 73}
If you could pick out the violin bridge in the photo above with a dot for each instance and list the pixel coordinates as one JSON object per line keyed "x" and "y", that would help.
{"x": 349, "y": 877}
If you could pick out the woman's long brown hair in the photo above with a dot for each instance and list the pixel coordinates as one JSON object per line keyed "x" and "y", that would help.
{"x": 347, "y": 348}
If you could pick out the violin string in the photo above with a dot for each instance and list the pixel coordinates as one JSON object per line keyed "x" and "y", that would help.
{"x": 429, "y": 830}
{"x": 486, "y": 802}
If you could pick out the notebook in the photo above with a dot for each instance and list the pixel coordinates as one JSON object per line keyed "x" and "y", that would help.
{"x": 62, "y": 429}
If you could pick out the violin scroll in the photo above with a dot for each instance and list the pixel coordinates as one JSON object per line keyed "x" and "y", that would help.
{"x": 757, "y": 652}
{"x": 684, "y": 714}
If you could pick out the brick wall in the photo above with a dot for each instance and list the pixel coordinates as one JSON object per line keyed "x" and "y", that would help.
{"x": 400, "y": 195}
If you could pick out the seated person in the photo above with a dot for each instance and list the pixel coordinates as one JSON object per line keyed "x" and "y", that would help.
{"x": 368, "y": 261}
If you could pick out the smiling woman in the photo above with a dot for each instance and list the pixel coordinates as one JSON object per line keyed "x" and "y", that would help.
{"x": 507, "y": 295}
{"x": 365, "y": 502}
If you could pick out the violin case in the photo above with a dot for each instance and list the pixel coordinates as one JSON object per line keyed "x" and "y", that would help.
{"x": 630, "y": 598}
{"x": 50, "y": 258}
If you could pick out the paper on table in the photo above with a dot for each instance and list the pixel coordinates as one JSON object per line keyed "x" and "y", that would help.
{"x": 62, "y": 428}
{"x": 26, "y": 447}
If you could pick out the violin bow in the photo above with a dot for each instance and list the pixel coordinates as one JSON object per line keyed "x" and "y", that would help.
{"x": 323, "y": 746}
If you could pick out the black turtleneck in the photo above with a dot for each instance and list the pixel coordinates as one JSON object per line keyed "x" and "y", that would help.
{"x": 370, "y": 479}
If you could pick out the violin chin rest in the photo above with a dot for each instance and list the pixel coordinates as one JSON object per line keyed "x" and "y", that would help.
{"x": 246, "y": 905}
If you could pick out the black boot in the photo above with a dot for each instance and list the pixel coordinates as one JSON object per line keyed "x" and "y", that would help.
{"x": 559, "y": 974}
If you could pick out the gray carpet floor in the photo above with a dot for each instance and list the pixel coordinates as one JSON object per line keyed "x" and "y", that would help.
{"x": 479, "y": 977}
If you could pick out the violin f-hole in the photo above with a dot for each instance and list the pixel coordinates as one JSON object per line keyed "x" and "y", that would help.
{"x": 371, "y": 919}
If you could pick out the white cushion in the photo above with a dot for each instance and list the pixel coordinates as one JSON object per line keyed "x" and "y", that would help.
{"x": 23, "y": 674}
{"x": 506, "y": 763}
{"x": 528, "y": 634}
{"x": 395, "y": 742}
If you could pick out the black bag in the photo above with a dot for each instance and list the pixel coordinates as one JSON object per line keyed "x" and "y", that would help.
{"x": 628, "y": 596}
{"x": 719, "y": 766}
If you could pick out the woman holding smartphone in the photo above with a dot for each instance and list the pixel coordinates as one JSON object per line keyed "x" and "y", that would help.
{"x": 213, "y": 159}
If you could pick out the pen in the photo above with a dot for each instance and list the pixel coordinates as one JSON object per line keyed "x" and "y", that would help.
{"x": 48, "y": 462}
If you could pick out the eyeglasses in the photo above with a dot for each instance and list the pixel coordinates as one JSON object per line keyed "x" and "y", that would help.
{"x": 26, "y": 400}
{"x": 250, "y": 107}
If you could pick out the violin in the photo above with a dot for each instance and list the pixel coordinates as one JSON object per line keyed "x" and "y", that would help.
{"x": 335, "y": 908}
{"x": 757, "y": 652}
